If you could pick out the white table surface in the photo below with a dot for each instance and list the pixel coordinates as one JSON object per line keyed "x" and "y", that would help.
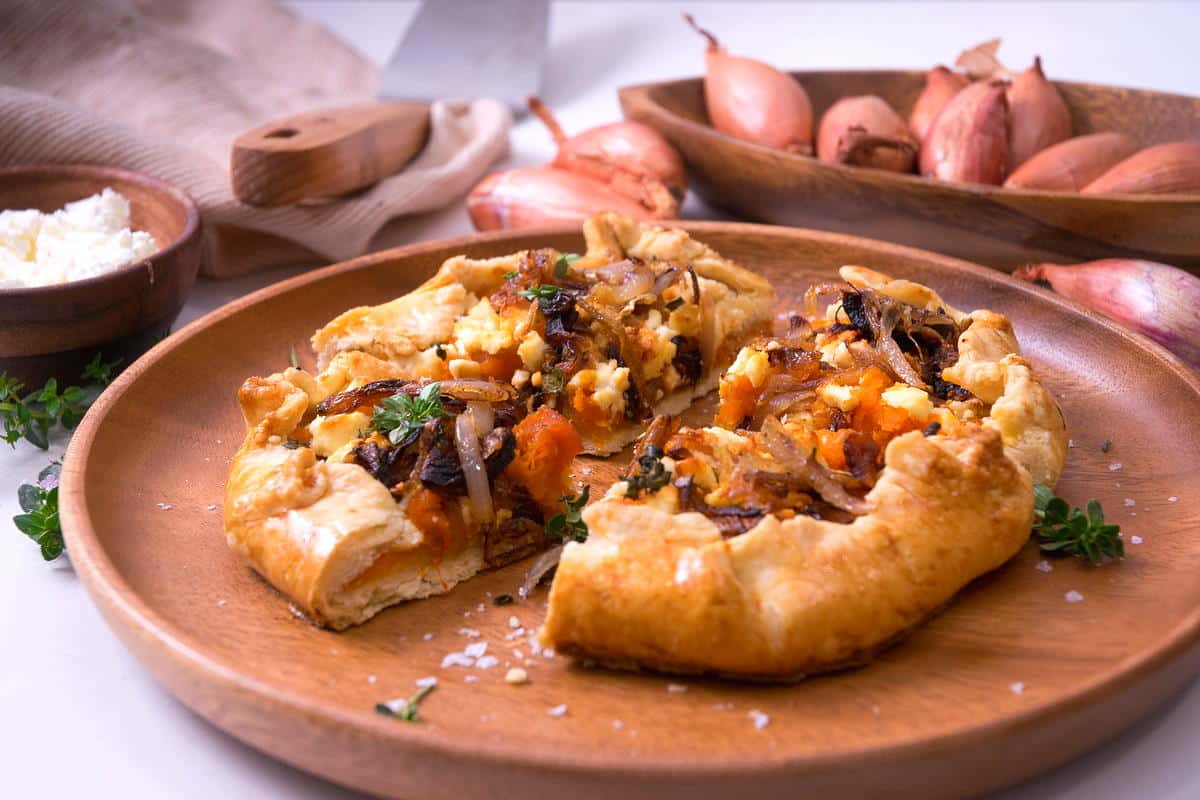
{"x": 78, "y": 715}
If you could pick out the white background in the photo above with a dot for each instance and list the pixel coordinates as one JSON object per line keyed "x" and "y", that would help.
{"x": 79, "y": 717}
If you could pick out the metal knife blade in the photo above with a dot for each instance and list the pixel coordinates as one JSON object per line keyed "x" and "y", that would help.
{"x": 467, "y": 49}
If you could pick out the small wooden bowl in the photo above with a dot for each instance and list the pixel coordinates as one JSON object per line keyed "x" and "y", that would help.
{"x": 53, "y": 331}
{"x": 999, "y": 227}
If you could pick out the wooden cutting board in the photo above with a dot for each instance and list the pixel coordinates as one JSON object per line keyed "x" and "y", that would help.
{"x": 1011, "y": 679}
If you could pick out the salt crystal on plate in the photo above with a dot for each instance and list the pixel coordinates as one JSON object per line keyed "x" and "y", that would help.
{"x": 676, "y": 688}
{"x": 372, "y": 679}
{"x": 558, "y": 711}
{"x": 470, "y": 633}
{"x": 165, "y": 506}
{"x": 457, "y": 660}
{"x": 1129, "y": 502}
{"x": 1017, "y": 688}
{"x": 426, "y": 682}
{"x": 475, "y": 649}
{"x": 486, "y": 662}
{"x": 513, "y": 622}
{"x": 1172, "y": 499}
{"x": 1044, "y": 566}
{"x": 1073, "y": 597}
{"x": 617, "y": 724}
{"x": 470, "y": 679}
{"x": 427, "y": 636}
{"x": 761, "y": 720}
{"x": 1135, "y": 540}
{"x": 1114, "y": 466}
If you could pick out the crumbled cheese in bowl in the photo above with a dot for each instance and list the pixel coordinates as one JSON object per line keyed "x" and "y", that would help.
{"x": 84, "y": 239}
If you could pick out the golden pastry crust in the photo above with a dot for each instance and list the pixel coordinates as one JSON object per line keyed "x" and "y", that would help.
{"x": 663, "y": 590}
{"x": 311, "y": 526}
{"x": 735, "y": 305}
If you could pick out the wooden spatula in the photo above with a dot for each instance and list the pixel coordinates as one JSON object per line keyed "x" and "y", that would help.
{"x": 326, "y": 153}
{"x": 454, "y": 50}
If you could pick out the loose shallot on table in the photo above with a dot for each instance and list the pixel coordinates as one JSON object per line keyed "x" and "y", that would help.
{"x": 625, "y": 166}
{"x": 754, "y": 101}
{"x": 1158, "y": 300}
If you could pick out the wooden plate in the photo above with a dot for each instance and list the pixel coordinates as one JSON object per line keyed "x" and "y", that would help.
{"x": 936, "y": 716}
{"x": 999, "y": 227}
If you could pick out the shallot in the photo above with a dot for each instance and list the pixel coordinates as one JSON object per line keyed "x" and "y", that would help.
{"x": 866, "y": 131}
{"x": 754, "y": 101}
{"x": 1038, "y": 117}
{"x": 1161, "y": 301}
{"x": 479, "y": 492}
{"x": 941, "y": 84}
{"x": 1171, "y": 168}
{"x": 1071, "y": 165}
{"x": 531, "y": 196}
{"x": 631, "y": 157}
{"x": 969, "y": 139}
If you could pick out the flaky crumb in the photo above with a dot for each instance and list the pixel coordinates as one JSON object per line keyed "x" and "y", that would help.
{"x": 427, "y": 681}
{"x": 1073, "y": 597}
{"x": 1017, "y": 688}
{"x": 761, "y": 720}
{"x": 516, "y": 676}
{"x": 1135, "y": 540}
{"x": 1044, "y": 566}
{"x": 558, "y": 711}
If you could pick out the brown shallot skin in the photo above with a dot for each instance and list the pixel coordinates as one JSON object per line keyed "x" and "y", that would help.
{"x": 1171, "y": 168}
{"x": 530, "y": 196}
{"x": 631, "y": 157}
{"x": 865, "y": 131}
{"x": 941, "y": 84}
{"x": 754, "y": 101}
{"x": 1038, "y": 117}
{"x": 1155, "y": 299}
{"x": 1071, "y": 165}
{"x": 969, "y": 140}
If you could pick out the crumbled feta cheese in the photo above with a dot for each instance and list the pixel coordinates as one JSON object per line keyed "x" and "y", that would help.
{"x": 482, "y": 330}
{"x": 1073, "y": 597}
{"x": 844, "y": 398}
{"x": 464, "y": 368}
{"x": 558, "y": 711}
{"x": 83, "y": 239}
{"x": 475, "y": 649}
{"x": 486, "y": 662}
{"x": 516, "y": 676}
{"x": 332, "y": 433}
{"x": 520, "y": 378}
{"x": 761, "y": 720}
{"x": 606, "y": 384}
{"x": 755, "y": 365}
{"x": 426, "y": 682}
{"x": 909, "y": 399}
{"x": 532, "y": 350}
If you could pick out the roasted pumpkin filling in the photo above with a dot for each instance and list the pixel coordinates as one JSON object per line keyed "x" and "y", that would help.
{"x": 805, "y": 418}
{"x": 459, "y": 456}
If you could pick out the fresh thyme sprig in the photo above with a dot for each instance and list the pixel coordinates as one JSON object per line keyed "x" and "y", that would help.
{"x": 570, "y": 524}
{"x": 39, "y": 501}
{"x": 652, "y": 474}
{"x": 400, "y": 415}
{"x": 409, "y": 712}
{"x": 1059, "y": 528}
{"x": 543, "y": 291}
{"x": 32, "y": 415}
{"x": 563, "y": 263}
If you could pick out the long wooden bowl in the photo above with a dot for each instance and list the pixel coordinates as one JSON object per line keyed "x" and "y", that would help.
{"x": 934, "y": 717}
{"x": 999, "y": 227}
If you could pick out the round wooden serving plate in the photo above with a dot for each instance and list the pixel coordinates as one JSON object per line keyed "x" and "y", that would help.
{"x": 999, "y": 227}
{"x": 935, "y": 716}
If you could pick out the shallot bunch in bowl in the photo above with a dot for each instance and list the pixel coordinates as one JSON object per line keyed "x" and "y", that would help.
{"x": 626, "y": 167}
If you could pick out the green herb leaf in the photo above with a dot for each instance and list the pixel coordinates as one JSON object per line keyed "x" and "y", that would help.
{"x": 652, "y": 474}
{"x": 508, "y": 276}
{"x": 542, "y": 292}
{"x": 99, "y": 372}
{"x": 552, "y": 381}
{"x": 400, "y": 414}
{"x": 1059, "y": 528}
{"x": 563, "y": 263}
{"x": 40, "y": 521}
{"x": 409, "y": 712}
{"x": 570, "y": 524}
